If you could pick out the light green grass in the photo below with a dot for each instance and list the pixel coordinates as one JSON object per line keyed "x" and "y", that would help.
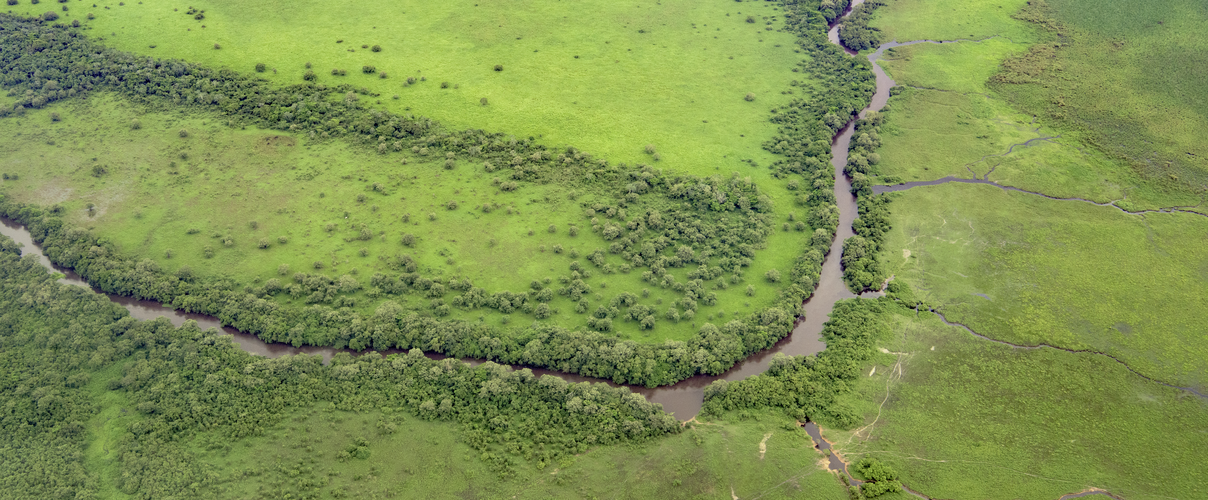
{"x": 694, "y": 63}
{"x": 1065, "y": 273}
{"x": 293, "y": 188}
{"x": 428, "y": 460}
{"x": 905, "y": 20}
{"x": 966, "y": 418}
{"x": 954, "y": 124}
{"x": 1129, "y": 80}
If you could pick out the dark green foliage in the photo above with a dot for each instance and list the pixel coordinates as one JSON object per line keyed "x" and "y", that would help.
{"x": 260, "y": 67}
{"x": 50, "y": 16}
{"x": 54, "y": 350}
{"x": 862, "y": 270}
{"x": 12, "y": 2}
{"x": 808, "y": 386}
{"x": 878, "y": 477}
{"x": 368, "y": 69}
{"x": 376, "y": 48}
{"x": 309, "y": 76}
{"x": 855, "y": 33}
{"x": 498, "y": 67}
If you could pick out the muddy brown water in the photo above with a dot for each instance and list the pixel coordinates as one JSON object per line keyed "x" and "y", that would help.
{"x": 683, "y": 399}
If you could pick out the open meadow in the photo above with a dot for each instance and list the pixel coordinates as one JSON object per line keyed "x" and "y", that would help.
{"x": 961, "y": 417}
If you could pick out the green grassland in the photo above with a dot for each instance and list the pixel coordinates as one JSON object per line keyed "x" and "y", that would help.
{"x": 950, "y": 121}
{"x": 606, "y": 77}
{"x": 906, "y": 20}
{"x": 1151, "y": 109}
{"x": 302, "y": 456}
{"x": 962, "y": 417}
{"x": 158, "y": 187}
{"x": 1026, "y": 269}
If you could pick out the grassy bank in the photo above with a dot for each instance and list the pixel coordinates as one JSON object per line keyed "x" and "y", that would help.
{"x": 961, "y": 417}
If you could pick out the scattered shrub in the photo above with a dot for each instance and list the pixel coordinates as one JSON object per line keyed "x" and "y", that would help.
{"x": 650, "y": 149}
{"x": 483, "y": 101}
{"x": 750, "y": 97}
{"x": 283, "y": 269}
{"x": 318, "y": 265}
{"x": 260, "y": 67}
{"x": 773, "y": 275}
{"x": 183, "y": 133}
{"x": 498, "y": 67}
{"x": 50, "y": 16}
{"x": 54, "y": 117}
{"x": 444, "y": 85}
{"x": 12, "y": 2}
{"x": 216, "y": 46}
{"x": 263, "y": 244}
{"x": 376, "y": 48}
{"x": 364, "y": 252}
{"x": 309, "y": 76}
{"x": 368, "y": 69}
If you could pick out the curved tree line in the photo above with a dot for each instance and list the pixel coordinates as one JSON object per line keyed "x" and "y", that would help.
{"x": 715, "y": 224}
{"x": 60, "y": 345}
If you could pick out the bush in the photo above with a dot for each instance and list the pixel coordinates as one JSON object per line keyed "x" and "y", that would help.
{"x": 75, "y": 23}
{"x": 383, "y": 76}
{"x": 368, "y": 69}
{"x": 260, "y": 67}
{"x": 650, "y": 149}
{"x": 773, "y": 275}
{"x": 483, "y": 101}
{"x": 283, "y": 269}
{"x": 12, "y": 2}
{"x": 408, "y": 239}
{"x": 751, "y": 19}
{"x": 309, "y": 76}
{"x": 49, "y": 16}
{"x": 263, "y": 244}
{"x": 318, "y": 265}
{"x": 376, "y": 48}
{"x": 498, "y": 67}
{"x": 54, "y": 117}
{"x": 183, "y": 133}
{"x": 216, "y": 46}
{"x": 750, "y": 97}
{"x": 282, "y": 240}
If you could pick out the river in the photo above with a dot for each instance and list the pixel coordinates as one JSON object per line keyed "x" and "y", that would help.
{"x": 683, "y": 399}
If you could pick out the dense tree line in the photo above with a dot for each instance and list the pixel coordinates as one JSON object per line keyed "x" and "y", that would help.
{"x": 862, "y": 268}
{"x": 58, "y": 342}
{"x": 855, "y": 33}
{"x": 809, "y": 387}
{"x": 658, "y": 221}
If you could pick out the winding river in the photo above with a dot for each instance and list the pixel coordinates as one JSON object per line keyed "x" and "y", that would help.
{"x": 684, "y": 399}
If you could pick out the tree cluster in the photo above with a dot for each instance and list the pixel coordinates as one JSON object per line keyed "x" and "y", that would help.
{"x": 810, "y": 387}
{"x": 855, "y": 33}
{"x": 59, "y": 342}
{"x": 862, "y": 268}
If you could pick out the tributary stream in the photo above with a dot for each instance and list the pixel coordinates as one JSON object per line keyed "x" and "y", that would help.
{"x": 683, "y": 399}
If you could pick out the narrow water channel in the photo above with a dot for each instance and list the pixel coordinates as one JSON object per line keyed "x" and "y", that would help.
{"x": 683, "y": 399}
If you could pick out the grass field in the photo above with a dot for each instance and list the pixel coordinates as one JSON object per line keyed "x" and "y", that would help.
{"x": 420, "y": 459}
{"x": 906, "y": 20}
{"x": 606, "y": 77}
{"x": 158, "y": 187}
{"x": 1026, "y": 269}
{"x": 962, "y": 417}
